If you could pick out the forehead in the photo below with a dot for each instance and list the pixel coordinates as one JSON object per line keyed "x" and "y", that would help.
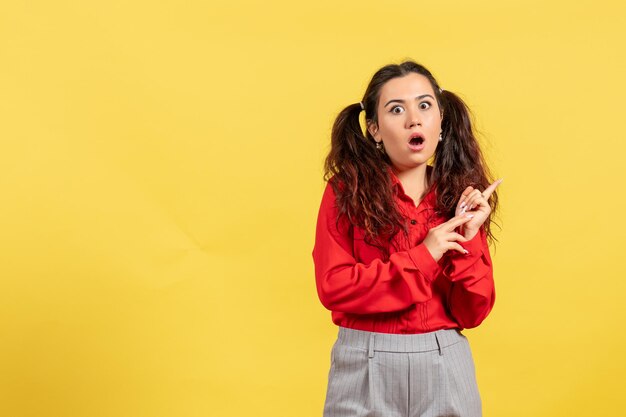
{"x": 408, "y": 86}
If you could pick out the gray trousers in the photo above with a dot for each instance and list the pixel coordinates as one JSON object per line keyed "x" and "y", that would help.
{"x": 399, "y": 375}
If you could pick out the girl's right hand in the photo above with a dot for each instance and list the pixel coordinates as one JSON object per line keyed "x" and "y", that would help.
{"x": 442, "y": 238}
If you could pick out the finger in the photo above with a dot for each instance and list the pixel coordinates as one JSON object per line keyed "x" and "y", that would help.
{"x": 482, "y": 202}
{"x": 457, "y": 247}
{"x": 464, "y": 195}
{"x": 453, "y": 236}
{"x": 476, "y": 201}
{"x": 471, "y": 201}
{"x": 455, "y": 222}
{"x": 475, "y": 195}
{"x": 467, "y": 191}
{"x": 492, "y": 188}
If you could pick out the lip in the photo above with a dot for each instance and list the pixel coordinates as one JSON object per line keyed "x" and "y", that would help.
{"x": 417, "y": 148}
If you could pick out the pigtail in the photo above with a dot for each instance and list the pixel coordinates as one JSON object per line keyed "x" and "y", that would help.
{"x": 357, "y": 171}
{"x": 458, "y": 161}
{"x": 350, "y": 150}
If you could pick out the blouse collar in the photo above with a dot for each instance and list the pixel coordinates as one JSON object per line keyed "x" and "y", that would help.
{"x": 395, "y": 181}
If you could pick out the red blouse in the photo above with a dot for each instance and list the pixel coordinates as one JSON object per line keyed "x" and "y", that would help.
{"x": 409, "y": 293}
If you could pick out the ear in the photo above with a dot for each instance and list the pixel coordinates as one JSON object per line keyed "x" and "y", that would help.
{"x": 372, "y": 127}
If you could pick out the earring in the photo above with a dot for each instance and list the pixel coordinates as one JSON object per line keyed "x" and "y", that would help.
{"x": 379, "y": 145}
{"x": 440, "y": 137}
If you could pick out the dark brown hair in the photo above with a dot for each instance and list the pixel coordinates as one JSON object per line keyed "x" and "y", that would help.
{"x": 357, "y": 171}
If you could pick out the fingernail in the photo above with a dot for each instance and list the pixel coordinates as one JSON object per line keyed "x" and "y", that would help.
{"x": 470, "y": 215}
{"x": 463, "y": 204}
{"x": 466, "y": 251}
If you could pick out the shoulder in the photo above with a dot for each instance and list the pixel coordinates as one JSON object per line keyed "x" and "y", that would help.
{"x": 329, "y": 213}
{"x": 333, "y": 187}
{"x": 329, "y": 197}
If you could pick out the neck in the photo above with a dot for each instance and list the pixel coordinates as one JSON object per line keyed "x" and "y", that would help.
{"x": 414, "y": 181}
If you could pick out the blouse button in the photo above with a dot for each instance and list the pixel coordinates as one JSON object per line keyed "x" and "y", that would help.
{"x": 413, "y": 221}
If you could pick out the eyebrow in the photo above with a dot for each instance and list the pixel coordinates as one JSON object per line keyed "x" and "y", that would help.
{"x": 397, "y": 100}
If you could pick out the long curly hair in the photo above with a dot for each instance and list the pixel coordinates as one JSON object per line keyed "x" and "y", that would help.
{"x": 357, "y": 171}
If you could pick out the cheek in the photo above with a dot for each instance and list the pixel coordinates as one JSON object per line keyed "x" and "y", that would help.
{"x": 435, "y": 123}
{"x": 433, "y": 145}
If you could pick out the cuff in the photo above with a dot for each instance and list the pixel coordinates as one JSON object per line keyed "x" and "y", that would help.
{"x": 474, "y": 246}
{"x": 458, "y": 263}
{"x": 424, "y": 261}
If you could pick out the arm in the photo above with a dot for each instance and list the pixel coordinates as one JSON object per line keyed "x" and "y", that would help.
{"x": 345, "y": 285}
{"x": 472, "y": 294}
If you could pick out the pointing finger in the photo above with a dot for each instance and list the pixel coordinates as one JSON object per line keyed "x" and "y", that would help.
{"x": 456, "y": 221}
{"x": 487, "y": 193}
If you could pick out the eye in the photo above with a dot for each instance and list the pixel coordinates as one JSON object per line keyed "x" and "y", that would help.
{"x": 427, "y": 103}
{"x": 396, "y": 110}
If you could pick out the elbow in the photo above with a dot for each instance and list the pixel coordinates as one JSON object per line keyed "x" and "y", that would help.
{"x": 340, "y": 298}
{"x": 471, "y": 323}
{"x": 333, "y": 302}
{"x": 333, "y": 291}
{"x": 471, "y": 318}
{"x": 325, "y": 299}
{"x": 327, "y": 295}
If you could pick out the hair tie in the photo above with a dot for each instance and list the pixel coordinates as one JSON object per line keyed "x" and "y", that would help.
{"x": 362, "y": 106}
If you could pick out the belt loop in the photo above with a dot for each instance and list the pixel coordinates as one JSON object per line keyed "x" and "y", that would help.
{"x": 370, "y": 351}
{"x": 438, "y": 345}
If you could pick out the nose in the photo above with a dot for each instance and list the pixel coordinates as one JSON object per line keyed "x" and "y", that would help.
{"x": 413, "y": 118}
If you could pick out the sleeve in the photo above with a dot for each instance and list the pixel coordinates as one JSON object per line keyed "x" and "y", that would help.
{"x": 472, "y": 293}
{"x": 345, "y": 285}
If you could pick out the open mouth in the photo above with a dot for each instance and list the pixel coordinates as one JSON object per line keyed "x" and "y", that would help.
{"x": 416, "y": 142}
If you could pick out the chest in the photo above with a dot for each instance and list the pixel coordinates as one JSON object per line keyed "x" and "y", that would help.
{"x": 419, "y": 222}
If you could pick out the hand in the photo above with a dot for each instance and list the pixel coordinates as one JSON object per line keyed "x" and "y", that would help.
{"x": 471, "y": 199}
{"x": 442, "y": 238}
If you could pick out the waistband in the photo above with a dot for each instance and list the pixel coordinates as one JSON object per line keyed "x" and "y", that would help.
{"x": 392, "y": 342}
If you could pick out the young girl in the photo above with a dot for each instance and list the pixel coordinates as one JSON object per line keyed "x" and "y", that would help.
{"x": 401, "y": 253}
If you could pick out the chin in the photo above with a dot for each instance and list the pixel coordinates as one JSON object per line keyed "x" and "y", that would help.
{"x": 420, "y": 159}
{"x": 413, "y": 163}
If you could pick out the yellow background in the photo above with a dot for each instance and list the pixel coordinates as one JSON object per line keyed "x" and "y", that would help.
{"x": 161, "y": 172}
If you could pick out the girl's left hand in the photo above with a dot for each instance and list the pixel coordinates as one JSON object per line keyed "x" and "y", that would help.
{"x": 473, "y": 199}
